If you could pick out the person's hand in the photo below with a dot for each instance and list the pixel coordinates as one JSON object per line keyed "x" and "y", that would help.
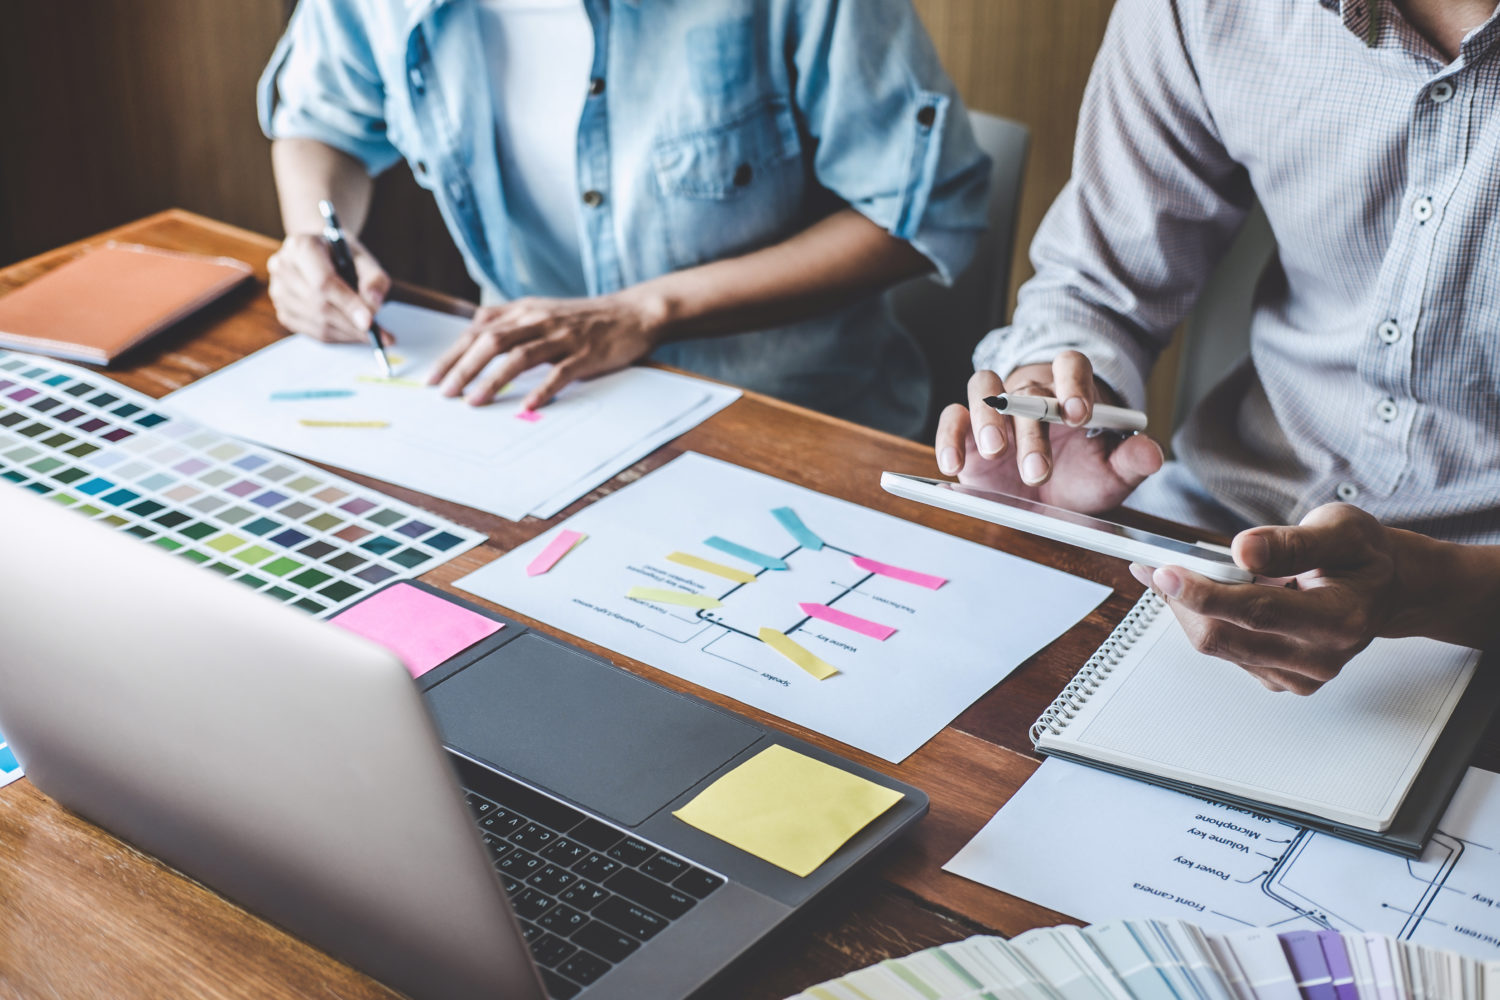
{"x": 310, "y": 299}
{"x": 580, "y": 337}
{"x": 1058, "y": 464}
{"x": 1343, "y": 591}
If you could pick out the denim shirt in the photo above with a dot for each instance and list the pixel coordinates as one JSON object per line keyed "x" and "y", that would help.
{"x": 712, "y": 128}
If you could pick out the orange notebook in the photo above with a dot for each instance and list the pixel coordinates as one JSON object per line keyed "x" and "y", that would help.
{"x": 101, "y": 304}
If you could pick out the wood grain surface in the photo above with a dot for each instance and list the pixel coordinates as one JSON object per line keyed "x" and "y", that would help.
{"x": 83, "y": 915}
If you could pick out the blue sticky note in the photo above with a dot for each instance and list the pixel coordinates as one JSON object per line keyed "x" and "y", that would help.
{"x": 8, "y": 760}
{"x": 799, "y": 531}
{"x": 749, "y": 555}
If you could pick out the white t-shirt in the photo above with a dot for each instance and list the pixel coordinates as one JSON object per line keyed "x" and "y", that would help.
{"x": 540, "y": 53}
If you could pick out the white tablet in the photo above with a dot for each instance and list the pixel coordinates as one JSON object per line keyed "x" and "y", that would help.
{"x": 1062, "y": 525}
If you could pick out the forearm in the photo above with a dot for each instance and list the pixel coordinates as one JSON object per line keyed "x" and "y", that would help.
{"x": 308, "y": 171}
{"x": 842, "y": 255}
{"x": 1450, "y": 591}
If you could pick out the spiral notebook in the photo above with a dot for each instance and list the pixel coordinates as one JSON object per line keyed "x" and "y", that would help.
{"x": 1373, "y": 756}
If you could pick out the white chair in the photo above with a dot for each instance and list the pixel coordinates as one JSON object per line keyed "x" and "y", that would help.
{"x": 949, "y": 321}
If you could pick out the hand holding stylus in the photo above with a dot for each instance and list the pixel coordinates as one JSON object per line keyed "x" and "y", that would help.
{"x": 1056, "y": 463}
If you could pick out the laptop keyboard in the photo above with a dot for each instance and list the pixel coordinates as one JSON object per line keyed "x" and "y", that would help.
{"x": 587, "y": 894}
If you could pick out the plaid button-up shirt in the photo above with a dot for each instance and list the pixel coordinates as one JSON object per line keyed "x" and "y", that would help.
{"x": 1374, "y": 374}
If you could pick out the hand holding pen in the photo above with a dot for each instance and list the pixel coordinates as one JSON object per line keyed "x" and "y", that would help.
{"x": 1042, "y": 444}
{"x": 311, "y": 298}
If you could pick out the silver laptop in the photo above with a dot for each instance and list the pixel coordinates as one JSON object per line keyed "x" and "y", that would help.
{"x": 505, "y": 833}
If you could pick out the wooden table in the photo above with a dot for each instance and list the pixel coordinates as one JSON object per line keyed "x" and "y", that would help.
{"x": 83, "y": 915}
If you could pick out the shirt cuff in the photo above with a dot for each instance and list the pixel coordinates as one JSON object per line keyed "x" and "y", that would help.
{"x": 377, "y": 155}
{"x": 1118, "y": 360}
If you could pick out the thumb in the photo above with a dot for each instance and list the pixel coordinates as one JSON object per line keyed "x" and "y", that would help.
{"x": 374, "y": 283}
{"x": 1321, "y": 541}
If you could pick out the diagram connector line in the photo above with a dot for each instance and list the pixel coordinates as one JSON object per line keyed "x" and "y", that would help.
{"x": 844, "y": 619}
{"x": 794, "y": 527}
{"x": 749, "y": 555}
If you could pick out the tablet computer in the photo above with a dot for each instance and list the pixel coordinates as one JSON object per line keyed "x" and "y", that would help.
{"x": 1062, "y": 525}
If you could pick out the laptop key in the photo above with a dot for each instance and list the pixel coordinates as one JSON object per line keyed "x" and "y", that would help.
{"x": 533, "y": 804}
{"x": 478, "y": 805}
{"x": 498, "y": 848}
{"x": 697, "y": 882}
{"x": 564, "y": 851}
{"x": 597, "y": 867}
{"x": 584, "y": 895}
{"x": 630, "y": 918}
{"x": 531, "y": 903}
{"x": 531, "y": 931}
{"x": 532, "y": 837}
{"x": 649, "y": 893}
{"x": 510, "y": 885}
{"x": 553, "y": 879}
{"x": 559, "y": 988}
{"x": 563, "y": 920}
{"x": 502, "y": 822}
{"x": 550, "y": 949}
{"x": 584, "y": 968}
{"x": 631, "y": 851}
{"x": 605, "y": 941}
{"x": 599, "y": 836}
{"x": 520, "y": 864}
{"x": 664, "y": 867}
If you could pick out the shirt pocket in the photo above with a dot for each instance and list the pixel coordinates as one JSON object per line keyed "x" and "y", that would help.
{"x": 732, "y": 187}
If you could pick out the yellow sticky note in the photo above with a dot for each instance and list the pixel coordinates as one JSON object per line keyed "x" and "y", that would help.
{"x": 788, "y": 809}
{"x": 798, "y": 654}
{"x": 406, "y": 383}
{"x": 664, "y": 596}
{"x": 375, "y": 424}
{"x": 717, "y": 569}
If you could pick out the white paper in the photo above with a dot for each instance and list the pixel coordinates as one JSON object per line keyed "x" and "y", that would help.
{"x": 950, "y": 646}
{"x": 483, "y": 457}
{"x": 1097, "y": 846}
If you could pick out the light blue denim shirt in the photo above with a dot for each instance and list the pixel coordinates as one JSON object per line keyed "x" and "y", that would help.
{"x": 712, "y": 128}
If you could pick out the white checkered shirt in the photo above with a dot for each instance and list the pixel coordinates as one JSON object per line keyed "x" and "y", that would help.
{"x": 1375, "y": 359}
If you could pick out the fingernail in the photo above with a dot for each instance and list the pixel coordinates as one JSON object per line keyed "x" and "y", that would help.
{"x": 948, "y": 461}
{"x": 1141, "y": 573}
{"x": 1168, "y": 582}
{"x": 1034, "y": 468}
{"x": 1256, "y": 552}
{"x": 1074, "y": 409}
{"x": 990, "y": 441}
{"x": 362, "y": 318}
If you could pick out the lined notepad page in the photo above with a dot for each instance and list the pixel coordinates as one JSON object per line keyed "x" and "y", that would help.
{"x": 1349, "y": 752}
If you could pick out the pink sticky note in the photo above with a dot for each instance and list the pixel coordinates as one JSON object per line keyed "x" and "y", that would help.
{"x": 530, "y": 416}
{"x": 897, "y": 573}
{"x": 562, "y": 543}
{"x": 421, "y": 628}
{"x": 844, "y": 619}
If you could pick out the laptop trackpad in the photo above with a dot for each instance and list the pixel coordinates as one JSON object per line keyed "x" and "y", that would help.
{"x": 562, "y": 720}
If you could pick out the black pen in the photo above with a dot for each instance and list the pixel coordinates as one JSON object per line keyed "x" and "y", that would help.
{"x": 343, "y": 265}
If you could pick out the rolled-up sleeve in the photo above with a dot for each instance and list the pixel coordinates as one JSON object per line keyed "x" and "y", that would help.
{"x": 1152, "y": 205}
{"x": 323, "y": 83}
{"x": 893, "y": 138}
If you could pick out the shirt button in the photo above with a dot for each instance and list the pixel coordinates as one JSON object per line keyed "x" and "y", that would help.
{"x": 743, "y": 175}
{"x": 593, "y": 199}
{"x": 418, "y": 81}
{"x": 1387, "y": 410}
{"x": 1422, "y": 209}
{"x": 1346, "y": 492}
{"x": 596, "y": 86}
{"x": 1389, "y": 331}
{"x": 1441, "y": 92}
{"x": 926, "y": 115}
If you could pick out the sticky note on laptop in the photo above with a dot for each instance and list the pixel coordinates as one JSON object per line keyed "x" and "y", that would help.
{"x": 421, "y": 628}
{"x": 787, "y": 808}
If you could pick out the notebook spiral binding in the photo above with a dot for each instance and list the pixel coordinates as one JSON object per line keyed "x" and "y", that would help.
{"x": 1105, "y": 659}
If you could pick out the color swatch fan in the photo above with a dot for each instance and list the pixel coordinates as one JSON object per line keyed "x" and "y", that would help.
{"x": 285, "y": 528}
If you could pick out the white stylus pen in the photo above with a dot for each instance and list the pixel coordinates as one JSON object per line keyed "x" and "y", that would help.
{"x": 1105, "y": 418}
